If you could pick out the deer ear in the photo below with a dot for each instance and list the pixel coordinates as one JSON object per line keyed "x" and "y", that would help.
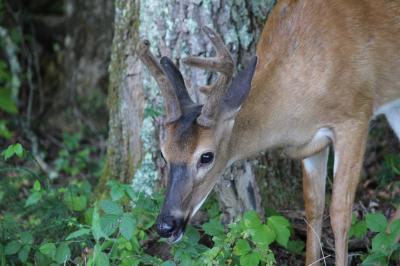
{"x": 239, "y": 89}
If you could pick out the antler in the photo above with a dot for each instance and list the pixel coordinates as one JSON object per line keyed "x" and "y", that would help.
{"x": 223, "y": 64}
{"x": 172, "y": 106}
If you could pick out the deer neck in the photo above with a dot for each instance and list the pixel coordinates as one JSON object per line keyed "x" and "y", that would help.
{"x": 256, "y": 127}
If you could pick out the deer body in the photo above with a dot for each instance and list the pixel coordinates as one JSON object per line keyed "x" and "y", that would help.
{"x": 320, "y": 65}
{"x": 324, "y": 70}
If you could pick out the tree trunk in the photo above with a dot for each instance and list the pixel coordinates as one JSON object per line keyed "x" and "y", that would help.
{"x": 125, "y": 99}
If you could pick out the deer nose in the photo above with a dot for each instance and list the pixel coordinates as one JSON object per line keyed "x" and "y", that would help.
{"x": 166, "y": 226}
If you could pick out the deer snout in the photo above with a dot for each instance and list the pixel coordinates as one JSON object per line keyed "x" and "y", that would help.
{"x": 170, "y": 227}
{"x": 166, "y": 226}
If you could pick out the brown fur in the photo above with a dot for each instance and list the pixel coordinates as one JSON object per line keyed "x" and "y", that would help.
{"x": 322, "y": 65}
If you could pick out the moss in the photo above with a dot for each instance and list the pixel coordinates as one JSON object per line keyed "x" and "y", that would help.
{"x": 119, "y": 164}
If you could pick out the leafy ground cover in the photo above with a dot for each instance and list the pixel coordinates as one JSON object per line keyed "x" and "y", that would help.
{"x": 44, "y": 222}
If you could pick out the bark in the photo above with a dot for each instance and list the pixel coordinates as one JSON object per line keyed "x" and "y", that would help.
{"x": 125, "y": 99}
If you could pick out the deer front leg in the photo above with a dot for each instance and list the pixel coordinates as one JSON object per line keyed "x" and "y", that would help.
{"x": 349, "y": 153}
{"x": 314, "y": 179}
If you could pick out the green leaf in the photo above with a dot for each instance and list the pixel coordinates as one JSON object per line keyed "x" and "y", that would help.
{"x": 263, "y": 235}
{"x": 19, "y": 150}
{"x": 127, "y": 226}
{"x": 168, "y": 263}
{"x": 296, "y": 246}
{"x": 75, "y": 202}
{"x": 37, "y": 186}
{"x": 395, "y": 227}
{"x": 78, "y": 233}
{"x": 109, "y": 224}
{"x": 251, "y": 220}
{"x": 71, "y": 142}
{"x": 102, "y": 259}
{"x": 359, "y": 229}
{"x": 213, "y": 228}
{"x": 41, "y": 259}
{"x": 79, "y": 203}
{"x": 12, "y": 247}
{"x": 131, "y": 193}
{"x": 251, "y": 259}
{"x": 13, "y": 149}
{"x": 96, "y": 227}
{"x": 48, "y": 249}
{"x": 375, "y": 259}
{"x": 4, "y": 131}
{"x": 27, "y": 238}
{"x": 376, "y": 222}
{"x": 7, "y": 104}
{"x": 111, "y": 207}
{"x": 281, "y": 227}
{"x": 23, "y": 254}
{"x": 382, "y": 243}
{"x": 33, "y": 198}
{"x": 353, "y": 218}
{"x": 192, "y": 235}
{"x": 279, "y": 221}
{"x": 242, "y": 247}
{"x": 117, "y": 192}
{"x": 63, "y": 253}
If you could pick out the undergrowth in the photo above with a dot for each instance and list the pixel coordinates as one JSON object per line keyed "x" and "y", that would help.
{"x": 43, "y": 222}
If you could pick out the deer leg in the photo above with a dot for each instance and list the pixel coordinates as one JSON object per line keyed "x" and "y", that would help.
{"x": 349, "y": 152}
{"x": 393, "y": 117}
{"x": 314, "y": 179}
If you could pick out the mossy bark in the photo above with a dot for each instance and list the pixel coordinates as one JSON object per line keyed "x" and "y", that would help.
{"x": 125, "y": 98}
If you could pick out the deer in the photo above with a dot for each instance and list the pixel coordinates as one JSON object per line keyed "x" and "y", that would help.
{"x": 322, "y": 71}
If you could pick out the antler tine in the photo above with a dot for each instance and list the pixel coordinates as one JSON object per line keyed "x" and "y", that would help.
{"x": 172, "y": 106}
{"x": 222, "y": 63}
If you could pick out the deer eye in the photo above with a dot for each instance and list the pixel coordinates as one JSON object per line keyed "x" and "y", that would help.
{"x": 206, "y": 158}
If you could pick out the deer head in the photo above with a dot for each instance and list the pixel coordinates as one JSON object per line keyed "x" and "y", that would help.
{"x": 195, "y": 138}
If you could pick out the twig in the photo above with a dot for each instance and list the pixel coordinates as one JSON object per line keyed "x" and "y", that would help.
{"x": 320, "y": 244}
{"x": 323, "y": 258}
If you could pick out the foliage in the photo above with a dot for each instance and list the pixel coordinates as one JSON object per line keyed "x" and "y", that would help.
{"x": 44, "y": 223}
{"x": 7, "y": 102}
{"x": 50, "y": 224}
{"x": 14, "y": 149}
{"x": 385, "y": 246}
{"x": 10, "y": 75}
{"x": 35, "y": 218}
{"x": 74, "y": 159}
